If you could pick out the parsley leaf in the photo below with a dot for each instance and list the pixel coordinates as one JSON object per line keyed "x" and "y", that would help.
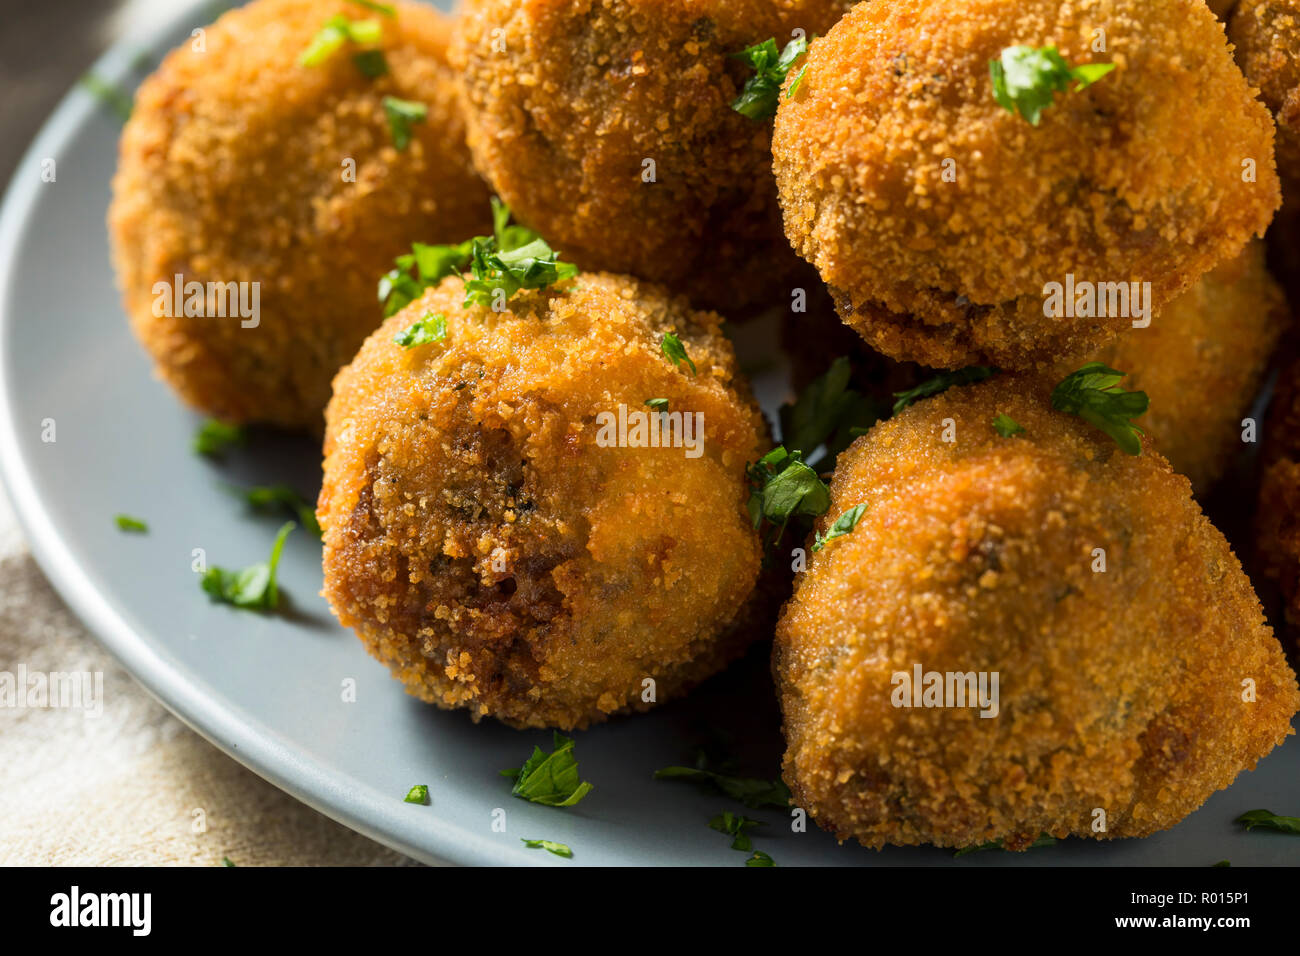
{"x": 1007, "y": 427}
{"x": 254, "y": 586}
{"x": 213, "y": 437}
{"x": 337, "y": 31}
{"x": 1093, "y": 394}
{"x": 760, "y": 859}
{"x": 828, "y": 413}
{"x": 672, "y": 347}
{"x": 781, "y": 486}
{"x": 425, "y": 266}
{"x": 559, "y": 849}
{"x": 381, "y": 8}
{"x": 402, "y": 115}
{"x": 428, "y": 330}
{"x": 657, "y": 404}
{"x": 843, "y": 525}
{"x": 417, "y": 794}
{"x": 550, "y": 779}
{"x": 752, "y": 792}
{"x": 759, "y": 97}
{"x": 1027, "y": 79}
{"x": 1044, "y": 839}
{"x": 534, "y": 265}
{"x": 1268, "y": 820}
{"x": 127, "y": 523}
{"x": 264, "y": 497}
{"x": 114, "y": 97}
{"x": 941, "y": 383}
{"x": 737, "y": 826}
{"x": 371, "y": 63}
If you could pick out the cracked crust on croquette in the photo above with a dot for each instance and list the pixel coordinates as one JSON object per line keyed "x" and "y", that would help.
{"x": 567, "y": 100}
{"x": 1137, "y": 178}
{"x": 484, "y": 544}
{"x": 1120, "y": 691}
{"x": 234, "y": 168}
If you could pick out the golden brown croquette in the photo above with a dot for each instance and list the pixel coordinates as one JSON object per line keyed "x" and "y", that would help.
{"x": 239, "y": 165}
{"x": 491, "y": 545}
{"x": 939, "y": 218}
{"x": 1203, "y": 361}
{"x": 1122, "y": 691}
{"x": 607, "y": 126}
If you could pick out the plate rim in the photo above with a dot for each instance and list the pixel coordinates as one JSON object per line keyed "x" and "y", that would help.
{"x": 284, "y": 766}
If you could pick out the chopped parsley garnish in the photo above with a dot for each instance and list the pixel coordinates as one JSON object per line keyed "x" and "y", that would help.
{"x": 422, "y": 268}
{"x": 226, "y": 861}
{"x": 760, "y": 859}
{"x": 402, "y": 115}
{"x": 127, "y": 523}
{"x": 371, "y": 63}
{"x": 428, "y": 330}
{"x": 828, "y": 413}
{"x": 843, "y": 525}
{"x": 265, "y": 497}
{"x": 417, "y": 794}
{"x": 752, "y": 792}
{"x": 781, "y": 486}
{"x": 736, "y": 826}
{"x": 1268, "y": 820}
{"x": 759, "y": 97}
{"x": 550, "y": 779}
{"x": 1007, "y": 427}
{"x": 658, "y": 404}
{"x": 1223, "y": 863}
{"x": 941, "y": 383}
{"x": 380, "y": 8}
{"x": 339, "y": 30}
{"x": 1026, "y": 79}
{"x": 114, "y": 97}
{"x": 214, "y": 437}
{"x": 550, "y": 846}
{"x": 1044, "y": 839}
{"x": 534, "y": 265}
{"x": 672, "y": 347}
{"x": 254, "y": 586}
{"x": 1093, "y": 394}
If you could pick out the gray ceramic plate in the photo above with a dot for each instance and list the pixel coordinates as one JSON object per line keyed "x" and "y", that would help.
{"x": 267, "y": 689}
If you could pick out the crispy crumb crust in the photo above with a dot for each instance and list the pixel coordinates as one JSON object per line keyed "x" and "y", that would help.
{"x": 1120, "y": 182}
{"x": 487, "y": 549}
{"x": 1120, "y": 691}
{"x": 562, "y": 120}
{"x": 231, "y": 170}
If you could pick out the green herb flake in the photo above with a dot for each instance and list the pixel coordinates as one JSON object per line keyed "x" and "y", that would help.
{"x": 550, "y": 779}
{"x": 1268, "y": 820}
{"x": 940, "y": 383}
{"x": 428, "y": 330}
{"x": 781, "y": 487}
{"x": 402, "y": 115}
{"x": 827, "y": 413}
{"x": 1026, "y": 79}
{"x": 214, "y": 437}
{"x": 371, "y": 63}
{"x": 657, "y": 404}
{"x": 225, "y": 861}
{"x": 267, "y": 497}
{"x": 672, "y": 347}
{"x": 759, "y": 97}
{"x": 1043, "y": 840}
{"x": 1007, "y": 427}
{"x": 749, "y": 791}
{"x": 254, "y": 587}
{"x": 418, "y": 794}
{"x": 127, "y": 523}
{"x": 550, "y": 846}
{"x": 1093, "y": 394}
{"x": 842, "y": 526}
{"x": 760, "y": 859}
{"x": 338, "y": 31}
{"x": 381, "y": 8}
{"x": 114, "y": 97}
{"x": 736, "y": 826}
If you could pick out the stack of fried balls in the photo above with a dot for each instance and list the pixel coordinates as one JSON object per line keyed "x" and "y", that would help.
{"x": 1030, "y": 260}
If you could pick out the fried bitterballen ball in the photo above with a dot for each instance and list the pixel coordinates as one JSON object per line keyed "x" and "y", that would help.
{"x": 1203, "y": 361}
{"x": 939, "y": 218}
{"x": 607, "y": 126}
{"x": 1136, "y": 674}
{"x": 241, "y": 165}
{"x": 494, "y": 541}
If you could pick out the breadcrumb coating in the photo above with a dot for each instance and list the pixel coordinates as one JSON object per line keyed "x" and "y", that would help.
{"x": 1202, "y": 361}
{"x": 1121, "y": 691}
{"x": 569, "y": 101}
{"x": 1140, "y": 177}
{"x": 234, "y": 167}
{"x": 486, "y": 545}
